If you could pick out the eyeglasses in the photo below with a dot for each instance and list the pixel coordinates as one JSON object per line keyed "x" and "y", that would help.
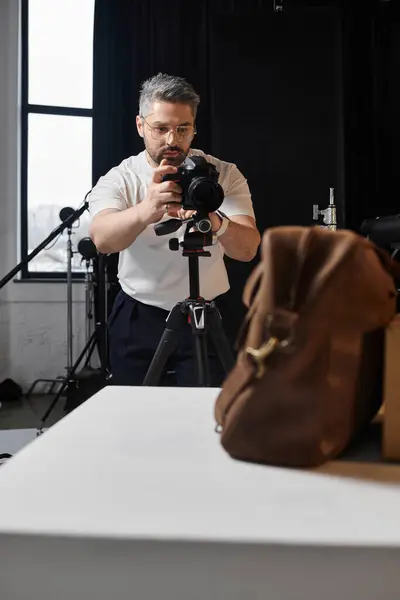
{"x": 182, "y": 132}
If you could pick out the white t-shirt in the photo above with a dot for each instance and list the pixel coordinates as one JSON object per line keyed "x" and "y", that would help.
{"x": 148, "y": 270}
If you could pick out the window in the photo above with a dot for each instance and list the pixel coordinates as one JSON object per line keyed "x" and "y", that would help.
{"x": 56, "y": 87}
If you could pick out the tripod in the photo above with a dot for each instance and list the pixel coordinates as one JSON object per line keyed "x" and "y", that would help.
{"x": 203, "y": 317}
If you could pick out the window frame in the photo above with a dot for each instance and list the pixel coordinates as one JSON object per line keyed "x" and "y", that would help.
{"x": 26, "y": 110}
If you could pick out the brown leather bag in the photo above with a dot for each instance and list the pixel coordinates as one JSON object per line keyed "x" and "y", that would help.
{"x": 308, "y": 373}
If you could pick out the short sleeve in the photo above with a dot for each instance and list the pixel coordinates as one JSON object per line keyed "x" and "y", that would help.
{"x": 237, "y": 199}
{"x": 109, "y": 192}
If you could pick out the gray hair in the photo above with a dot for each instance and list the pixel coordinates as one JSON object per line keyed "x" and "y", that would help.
{"x": 166, "y": 88}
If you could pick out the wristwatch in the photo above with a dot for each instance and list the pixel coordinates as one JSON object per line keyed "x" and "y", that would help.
{"x": 224, "y": 223}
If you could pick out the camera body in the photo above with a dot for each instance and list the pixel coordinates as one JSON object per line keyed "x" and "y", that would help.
{"x": 198, "y": 179}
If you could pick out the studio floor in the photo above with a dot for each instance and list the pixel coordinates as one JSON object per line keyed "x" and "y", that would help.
{"x": 21, "y": 420}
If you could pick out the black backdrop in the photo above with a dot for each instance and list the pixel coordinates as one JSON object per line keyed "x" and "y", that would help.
{"x": 301, "y": 100}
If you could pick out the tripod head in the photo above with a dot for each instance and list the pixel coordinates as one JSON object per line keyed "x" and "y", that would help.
{"x": 193, "y": 242}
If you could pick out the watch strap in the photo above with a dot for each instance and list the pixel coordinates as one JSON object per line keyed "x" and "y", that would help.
{"x": 224, "y": 224}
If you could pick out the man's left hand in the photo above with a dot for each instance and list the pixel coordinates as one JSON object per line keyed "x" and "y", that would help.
{"x": 179, "y": 213}
{"x": 241, "y": 239}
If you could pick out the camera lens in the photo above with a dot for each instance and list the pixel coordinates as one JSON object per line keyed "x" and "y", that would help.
{"x": 205, "y": 195}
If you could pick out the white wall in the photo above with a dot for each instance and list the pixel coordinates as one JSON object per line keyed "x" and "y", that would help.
{"x": 33, "y": 326}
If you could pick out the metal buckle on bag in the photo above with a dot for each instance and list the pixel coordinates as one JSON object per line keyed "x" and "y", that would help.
{"x": 259, "y": 355}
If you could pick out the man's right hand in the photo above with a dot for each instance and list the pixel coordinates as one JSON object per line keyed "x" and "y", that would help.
{"x": 163, "y": 197}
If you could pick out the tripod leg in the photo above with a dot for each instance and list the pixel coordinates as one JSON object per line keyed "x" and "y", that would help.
{"x": 168, "y": 344}
{"x": 201, "y": 354}
{"x": 199, "y": 322}
{"x": 219, "y": 339}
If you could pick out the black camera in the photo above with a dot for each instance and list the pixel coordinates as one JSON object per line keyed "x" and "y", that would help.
{"x": 200, "y": 188}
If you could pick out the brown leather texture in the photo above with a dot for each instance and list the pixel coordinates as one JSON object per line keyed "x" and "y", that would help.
{"x": 308, "y": 374}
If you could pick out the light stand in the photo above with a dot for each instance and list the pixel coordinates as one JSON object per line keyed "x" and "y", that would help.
{"x": 328, "y": 214}
{"x": 76, "y": 381}
{"x": 89, "y": 253}
{"x": 70, "y": 335}
{"x": 99, "y": 336}
{"x": 66, "y": 215}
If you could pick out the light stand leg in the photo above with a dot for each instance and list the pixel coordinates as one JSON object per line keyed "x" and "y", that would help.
{"x": 67, "y": 380}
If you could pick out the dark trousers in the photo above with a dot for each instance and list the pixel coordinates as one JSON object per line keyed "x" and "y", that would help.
{"x": 135, "y": 330}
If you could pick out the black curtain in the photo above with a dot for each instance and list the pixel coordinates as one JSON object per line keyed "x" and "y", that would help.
{"x": 387, "y": 33}
{"x": 299, "y": 99}
{"x": 133, "y": 40}
{"x": 270, "y": 86}
{"x": 371, "y": 63}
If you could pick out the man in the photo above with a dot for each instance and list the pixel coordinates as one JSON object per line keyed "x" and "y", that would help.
{"x": 127, "y": 202}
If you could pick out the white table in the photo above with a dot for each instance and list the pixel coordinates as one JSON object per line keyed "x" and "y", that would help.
{"x": 132, "y": 497}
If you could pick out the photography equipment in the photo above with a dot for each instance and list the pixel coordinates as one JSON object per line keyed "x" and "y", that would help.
{"x": 68, "y": 216}
{"x": 383, "y": 231}
{"x": 88, "y": 251}
{"x": 88, "y": 380}
{"x": 10, "y": 391}
{"x": 328, "y": 214}
{"x": 79, "y": 385}
{"x": 201, "y": 191}
{"x": 65, "y": 215}
{"x": 55, "y": 233}
{"x": 201, "y": 315}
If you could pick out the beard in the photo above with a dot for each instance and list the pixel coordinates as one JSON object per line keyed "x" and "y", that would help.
{"x": 159, "y": 155}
